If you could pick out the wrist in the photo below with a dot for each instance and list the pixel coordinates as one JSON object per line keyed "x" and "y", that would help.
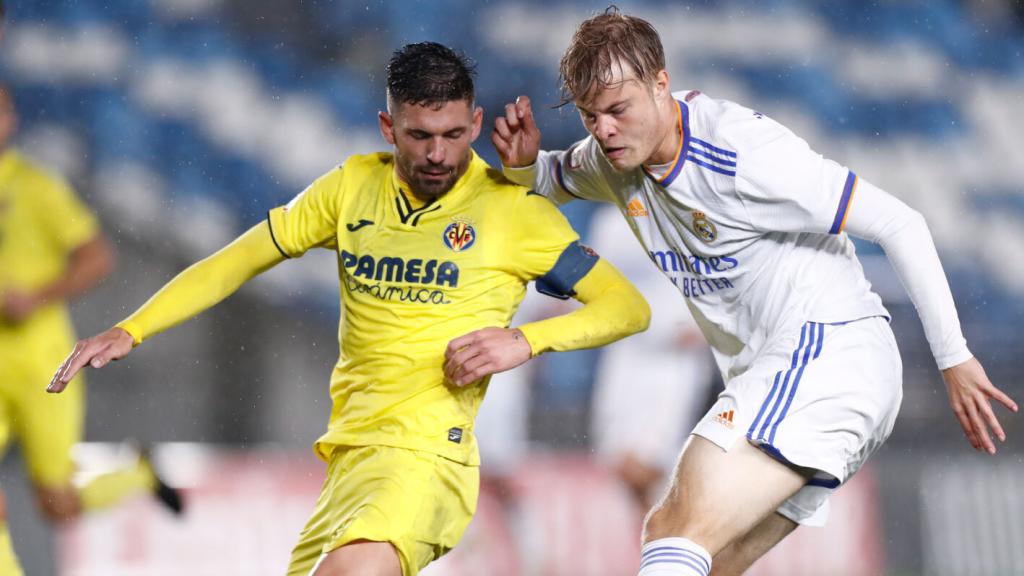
{"x": 130, "y": 330}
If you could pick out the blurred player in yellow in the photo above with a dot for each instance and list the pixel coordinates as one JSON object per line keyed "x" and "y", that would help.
{"x": 8, "y": 561}
{"x": 435, "y": 250}
{"x": 51, "y": 250}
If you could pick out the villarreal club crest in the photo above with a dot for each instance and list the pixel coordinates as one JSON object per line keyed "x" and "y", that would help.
{"x": 459, "y": 235}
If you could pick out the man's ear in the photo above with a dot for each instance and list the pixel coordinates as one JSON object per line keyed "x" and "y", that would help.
{"x": 387, "y": 126}
{"x": 478, "y": 121}
{"x": 661, "y": 85}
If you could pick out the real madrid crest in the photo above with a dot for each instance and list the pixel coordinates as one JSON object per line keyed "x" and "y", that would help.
{"x": 459, "y": 235}
{"x": 704, "y": 228}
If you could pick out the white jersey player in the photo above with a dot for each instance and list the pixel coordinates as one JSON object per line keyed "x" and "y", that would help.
{"x": 751, "y": 225}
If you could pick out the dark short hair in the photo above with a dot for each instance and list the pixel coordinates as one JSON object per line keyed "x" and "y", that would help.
{"x": 604, "y": 42}
{"x": 428, "y": 73}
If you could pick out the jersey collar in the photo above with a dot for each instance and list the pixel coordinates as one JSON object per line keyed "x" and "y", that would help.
{"x": 683, "y": 127}
{"x": 402, "y": 194}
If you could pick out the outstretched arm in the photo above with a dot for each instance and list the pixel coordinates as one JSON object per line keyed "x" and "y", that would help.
{"x": 197, "y": 288}
{"x": 612, "y": 309}
{"x": 903, "y": 234}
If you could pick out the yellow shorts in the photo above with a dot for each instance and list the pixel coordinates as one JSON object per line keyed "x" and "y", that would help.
{"x": 46, "y": 425}
{"x": 419, "y": 502}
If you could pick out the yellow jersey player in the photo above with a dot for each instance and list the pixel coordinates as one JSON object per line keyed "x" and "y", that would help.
{"x": 435, "y": 250}
{"x": 51, "y": 250}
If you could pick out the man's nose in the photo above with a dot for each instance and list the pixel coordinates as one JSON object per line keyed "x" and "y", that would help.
{"x": 604, "y": 128}
{"x": 436, "y": 152}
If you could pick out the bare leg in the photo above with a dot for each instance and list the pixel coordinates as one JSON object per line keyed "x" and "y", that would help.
{"x": 738, "y": 557}
{"x": 59, "y": 503}
{"x": 361, "y": 558}
{"x": 718, "y": 497}
{"x": 640, "y": 478}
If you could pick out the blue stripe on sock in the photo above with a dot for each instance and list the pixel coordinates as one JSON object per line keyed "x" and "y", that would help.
{"x": 681, "y": 561}
{"x": 674, "y": 551}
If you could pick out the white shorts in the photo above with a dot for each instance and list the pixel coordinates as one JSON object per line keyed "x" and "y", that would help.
{"x": 824, "y": 397}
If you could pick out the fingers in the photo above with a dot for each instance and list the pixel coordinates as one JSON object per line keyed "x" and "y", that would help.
{"x": 512, "y": 117}
{"x": 1000, "y": 397}
{"x": 468, "y": 358}
{"x": 459, "y": 343}
{"x": 502, "y": 140}
{"x": 474, "y": 369}
{"x": 74, "y": 362}
{"x": 502, "y": 129}
{"x": 991, "y": 420}
{"x": 984, "y": 441}
{"x": 456, "y": 370}
{"x": 93, "y": 352}
{"x": 965, "y": 423}
{"x": 457, "y": 353}
{"x": 525, "y": 113}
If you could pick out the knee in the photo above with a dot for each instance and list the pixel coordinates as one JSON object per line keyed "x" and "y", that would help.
{"x": 663, "y": 521}
{"x": 58, "y": 504}
{"x": 674, "y": 517}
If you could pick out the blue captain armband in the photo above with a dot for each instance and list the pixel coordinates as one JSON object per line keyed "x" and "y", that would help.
{"x": 575, "y": 262}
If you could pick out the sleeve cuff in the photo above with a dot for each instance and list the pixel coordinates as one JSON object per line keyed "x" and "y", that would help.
{"x": 522, "y": 175}
{"x": 534, "y": 335}
{"x": 132, "y": 329}
{"x": 950, "y": 360}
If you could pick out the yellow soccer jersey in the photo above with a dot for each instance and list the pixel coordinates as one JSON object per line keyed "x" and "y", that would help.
{"x": 411, "y": 280}
{"x": 41, "y": 223}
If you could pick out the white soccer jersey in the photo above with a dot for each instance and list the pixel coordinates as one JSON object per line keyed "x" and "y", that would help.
{"x": 747, "y": 222}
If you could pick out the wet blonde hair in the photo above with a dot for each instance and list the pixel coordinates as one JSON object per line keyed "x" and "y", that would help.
{"x": 602, "y": 43}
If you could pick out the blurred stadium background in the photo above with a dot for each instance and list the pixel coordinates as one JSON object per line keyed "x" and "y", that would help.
{"x": 183, "y": 121}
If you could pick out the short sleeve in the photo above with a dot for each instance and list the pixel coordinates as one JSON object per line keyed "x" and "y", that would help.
{"x": 68, "y": 219}
{"x": 784, "y": 185}
{"x": 310, "y": 220}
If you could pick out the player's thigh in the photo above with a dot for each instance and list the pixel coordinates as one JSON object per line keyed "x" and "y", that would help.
{"x": 48, "y": 427}
{"x": 739, "y": 556}
{"x": 718, "y": 496}
{"x": 362, "y": 558}
{"x": 418, "y": 502}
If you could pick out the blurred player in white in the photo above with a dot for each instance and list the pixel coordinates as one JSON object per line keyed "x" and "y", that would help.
{"x": 751, "y": 225}
{"x": 651, "y": 388}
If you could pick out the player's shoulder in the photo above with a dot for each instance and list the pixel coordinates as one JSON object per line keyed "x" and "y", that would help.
{"x": 511, "y": 203}
{"x": 27, "y": 167}
{"x": 493, "y": 184}
{"x": 728, "y": 124}
{"x": 364, "y": 163}
{"x": 41, "y": 182}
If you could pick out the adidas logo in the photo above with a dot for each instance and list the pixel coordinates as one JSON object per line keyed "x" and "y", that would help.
{"x": 725, "y": 418}
{"x": 635, "y": 208}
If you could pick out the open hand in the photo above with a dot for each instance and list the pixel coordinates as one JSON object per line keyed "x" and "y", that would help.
{"x": 97, "y": 352}
{"x": 970, "y": 392}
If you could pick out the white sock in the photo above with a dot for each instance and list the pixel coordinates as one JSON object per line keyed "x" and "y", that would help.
{"x": 674, "y": 557}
